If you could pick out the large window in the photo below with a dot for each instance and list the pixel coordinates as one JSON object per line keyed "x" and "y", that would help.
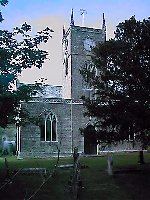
{"x": 48, "y": 127}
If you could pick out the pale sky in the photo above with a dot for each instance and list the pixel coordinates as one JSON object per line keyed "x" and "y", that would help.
{"x": 56, "y": 13}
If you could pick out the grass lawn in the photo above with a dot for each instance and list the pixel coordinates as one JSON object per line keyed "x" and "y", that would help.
{"x": 130, "y": 181}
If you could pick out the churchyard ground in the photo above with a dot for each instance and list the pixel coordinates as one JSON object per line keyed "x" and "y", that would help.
{"x": 130, "y": 181}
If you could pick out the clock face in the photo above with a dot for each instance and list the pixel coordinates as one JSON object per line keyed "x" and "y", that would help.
{"x": 88, "y": 44}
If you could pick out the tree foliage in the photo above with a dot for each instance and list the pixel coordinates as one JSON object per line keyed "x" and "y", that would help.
{"x": 19, "y": 50}
{"x": 3, "y": 3}
{"x": 121, "y": 103}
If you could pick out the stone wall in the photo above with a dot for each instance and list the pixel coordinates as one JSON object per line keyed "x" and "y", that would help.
{"x": 69, "y": 119}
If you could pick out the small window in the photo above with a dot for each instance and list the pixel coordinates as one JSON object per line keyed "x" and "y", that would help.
{"x": 89, "y": 73}
{"x": 66, "y": 66}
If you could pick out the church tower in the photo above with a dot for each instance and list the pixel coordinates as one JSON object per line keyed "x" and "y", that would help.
{"x": 77, "y": 43}
{"x": 60, "y": 119}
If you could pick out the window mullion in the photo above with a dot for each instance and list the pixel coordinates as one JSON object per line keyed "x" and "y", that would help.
{"x": 51, "y": 129}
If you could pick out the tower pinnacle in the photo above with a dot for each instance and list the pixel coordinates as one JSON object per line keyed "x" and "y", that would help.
{"x": 72, "y": 20}
{"x": 104, "y": 24}
{"x": 64, "y": 31}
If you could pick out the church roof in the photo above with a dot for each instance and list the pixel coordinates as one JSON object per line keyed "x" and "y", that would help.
{"x": 48, "y": 91}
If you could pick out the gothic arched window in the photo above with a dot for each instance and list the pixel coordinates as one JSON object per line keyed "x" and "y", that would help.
{"x": 48, "y": 128}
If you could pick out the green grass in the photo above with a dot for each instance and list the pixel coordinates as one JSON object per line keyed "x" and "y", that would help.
{"x": 130, "y": 181}
{"x": 25, "y": 185}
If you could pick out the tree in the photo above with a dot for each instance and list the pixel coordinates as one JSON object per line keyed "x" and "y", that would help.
{"x": 18, "y": 51}
{"x": 120, "y": 78}
{"x": 3, "y": 3}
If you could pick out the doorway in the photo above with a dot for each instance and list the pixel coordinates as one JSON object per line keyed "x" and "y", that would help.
{"x": 90, "y": 144}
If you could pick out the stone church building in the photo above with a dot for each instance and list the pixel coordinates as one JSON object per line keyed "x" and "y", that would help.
{"x": 60, "y": 110}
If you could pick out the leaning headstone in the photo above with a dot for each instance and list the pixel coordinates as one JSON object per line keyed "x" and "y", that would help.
{"x": 66, "y": 166}
{"x": 33, "y": 171}
{"x": 109, "y": 164}
{"x": 141, "y": 157}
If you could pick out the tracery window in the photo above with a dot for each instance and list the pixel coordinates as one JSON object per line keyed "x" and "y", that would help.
{"x": 48, "y": 127}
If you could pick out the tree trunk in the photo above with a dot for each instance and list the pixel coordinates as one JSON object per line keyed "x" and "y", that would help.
{"x": 141, "y": 157}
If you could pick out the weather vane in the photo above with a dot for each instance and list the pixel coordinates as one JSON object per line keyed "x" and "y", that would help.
{"x": 83, "y": 12}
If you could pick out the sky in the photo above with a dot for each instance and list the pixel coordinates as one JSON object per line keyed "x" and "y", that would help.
{"x": 55, "y": 14}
